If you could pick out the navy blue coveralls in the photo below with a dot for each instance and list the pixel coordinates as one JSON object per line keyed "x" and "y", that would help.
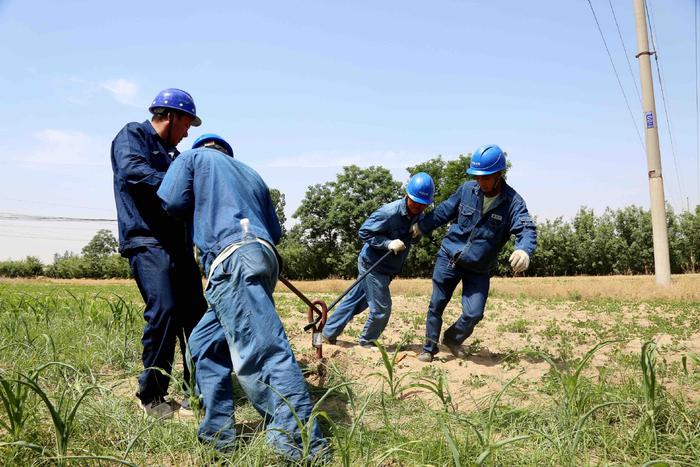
{"x": 469, "y": 252}
{"x": 160, "y": 253}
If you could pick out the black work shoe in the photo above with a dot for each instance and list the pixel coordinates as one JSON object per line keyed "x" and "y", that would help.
{"x": 160, "y": 408}
{"x": 455, "y": 348}
{"x": 368, "y": 346}
{"x": 328, "y": 340}
{"x": 185, "y": 404}
{"x": 426, "y": 357}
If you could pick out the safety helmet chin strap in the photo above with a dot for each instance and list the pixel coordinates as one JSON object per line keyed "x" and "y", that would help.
{"x": 170, "y": 127}
{"x": 496, "y": 185}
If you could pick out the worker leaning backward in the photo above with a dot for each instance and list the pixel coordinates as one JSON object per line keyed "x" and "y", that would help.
{"x": 484, "y": 214}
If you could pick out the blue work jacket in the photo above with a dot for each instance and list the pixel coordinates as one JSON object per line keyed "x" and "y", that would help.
{"x": 389, "y": 222}
{"x": 139, "y": 162}
{"x": 216, "y": 191}
{"x": 475, "y": 239}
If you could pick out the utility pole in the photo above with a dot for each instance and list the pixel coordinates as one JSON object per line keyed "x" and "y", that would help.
{"x": 662, "y": 263}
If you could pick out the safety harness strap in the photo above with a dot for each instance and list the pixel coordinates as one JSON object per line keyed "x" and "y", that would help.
{"x": 228, "y": 251}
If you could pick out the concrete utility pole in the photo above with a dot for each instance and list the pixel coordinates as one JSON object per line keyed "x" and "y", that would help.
{"x": 662, "y": 263}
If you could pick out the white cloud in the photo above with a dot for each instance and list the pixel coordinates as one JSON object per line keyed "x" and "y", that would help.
{"x": 61, "y": 148}
{"x": 318, "y": 159}
{"x": 123, "y": 90}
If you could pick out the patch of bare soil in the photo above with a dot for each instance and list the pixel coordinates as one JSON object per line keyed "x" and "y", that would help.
{"x": 509, "y": 327}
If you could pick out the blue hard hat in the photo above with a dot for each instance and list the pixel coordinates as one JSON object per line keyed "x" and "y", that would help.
{"x": 486, "y": 160}
{"x": 177, "y": 99}
{"x": 213, "y": 138}
{"x": 421, "y": 188}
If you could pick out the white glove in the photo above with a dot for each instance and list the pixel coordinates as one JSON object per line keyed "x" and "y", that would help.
{"x": 396, "y": 246}
{"x": 415, "y": 231}
{"x": 519, "y": 261}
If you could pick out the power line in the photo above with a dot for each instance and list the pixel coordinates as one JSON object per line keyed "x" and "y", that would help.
{"x": 30, "y": 217}
{"x": 617, "y": 75}
{"x": 629, "y": 64}
{"x": 49, "y": 203}
{"x": 663, "y": 99}
{"x": 36, "y": 237}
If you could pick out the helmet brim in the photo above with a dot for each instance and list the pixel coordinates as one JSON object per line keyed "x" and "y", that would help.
{"x": 418, "y": 199}
{"x": 471, "y": 171}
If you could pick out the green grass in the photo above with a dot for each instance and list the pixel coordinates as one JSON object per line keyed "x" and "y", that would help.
{"x": 66, "y": 351}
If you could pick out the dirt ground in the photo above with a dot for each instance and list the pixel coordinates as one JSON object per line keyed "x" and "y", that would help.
{"x": 510, "y": 326}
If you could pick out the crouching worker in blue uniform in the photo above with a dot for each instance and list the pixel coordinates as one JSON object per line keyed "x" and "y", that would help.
{"x": 485, "y": 213}
{"x": 236, "y": 228}
{"x": 388, "y": 228}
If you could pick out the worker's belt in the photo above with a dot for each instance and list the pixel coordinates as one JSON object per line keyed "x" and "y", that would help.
{"x": 228, "y": 251}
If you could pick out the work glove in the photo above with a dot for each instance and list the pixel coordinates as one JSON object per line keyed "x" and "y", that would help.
{"x": 396, "y": 246}
{"x": 519, "y": 261}
{"x": 415, "y": 231}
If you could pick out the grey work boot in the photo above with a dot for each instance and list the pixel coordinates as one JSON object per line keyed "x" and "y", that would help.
{"x": 455, "y": 348}
{"x": 426, "y": 357}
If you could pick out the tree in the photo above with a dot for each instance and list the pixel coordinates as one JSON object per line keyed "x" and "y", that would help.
{"x": 102, "y": 244}
{"x": 279, "y": 202}
{"x": 331, "y": 214}
{"x": 448, "y": 177}
{"x": 684, "y": 240}
{"x": 99, "y": 260}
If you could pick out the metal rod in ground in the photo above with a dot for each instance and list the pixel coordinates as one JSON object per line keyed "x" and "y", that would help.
{"x": 299, "y": 294}
{"x": 352, "y": 286}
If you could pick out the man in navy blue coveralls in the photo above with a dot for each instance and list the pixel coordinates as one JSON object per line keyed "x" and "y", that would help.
{"x": 158, "y": 247}
{"x": 485, "y": 213}
{"x": 241, "y": 331}
{"x": 382, "y": 231}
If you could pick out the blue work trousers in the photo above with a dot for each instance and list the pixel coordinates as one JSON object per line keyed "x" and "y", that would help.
{"x": 242, "y": 332}
{"x": 373, "y": 293}
{"x": 171, "y": 286}
{"x": 475, "y": 290}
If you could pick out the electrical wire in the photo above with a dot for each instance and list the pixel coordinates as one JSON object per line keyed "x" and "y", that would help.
{"x": 663, "y": 99}
{"x": 629, "y": 64}
{"x": 10, "y": 216}
{"x": 617, "y": 75}
{"x": 49, "y": 203}
{"x": 37, "y": 237}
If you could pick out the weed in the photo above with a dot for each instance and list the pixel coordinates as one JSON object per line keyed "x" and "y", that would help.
{"x": 440, "y": 388}
{"x": 574, "y": 398}
{"x": 484, "y": 431}
{"x": 390, "y": 377}
{"x": 518, "y": 326}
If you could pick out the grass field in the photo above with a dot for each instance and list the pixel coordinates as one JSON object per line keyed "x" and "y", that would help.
{"x": 562, "y": 371}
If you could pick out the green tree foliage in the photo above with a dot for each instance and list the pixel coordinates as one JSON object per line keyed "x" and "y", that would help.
{"x": 619, "y": 241}
{"x": 448, "y": 177}
{"x": 279, "y": 202}
{"x": 99, "y": 260}
{"x": 102, "y": 244}
{"x": 29, "y": 267}
{"x": 684, "y": 240}
{"x": 330, "y": 216}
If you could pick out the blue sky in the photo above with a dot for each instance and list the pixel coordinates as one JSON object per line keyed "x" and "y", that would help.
{"x": 302, "y": 88}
